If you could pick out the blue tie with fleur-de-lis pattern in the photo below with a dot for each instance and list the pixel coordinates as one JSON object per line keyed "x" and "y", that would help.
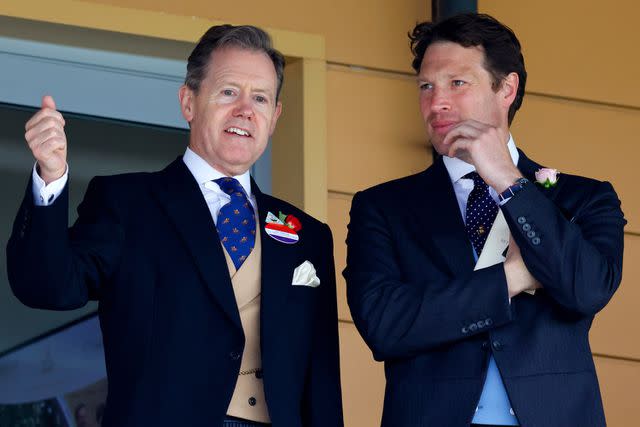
{"x": 481, "y": 212}
{"x": 236, "y": 222}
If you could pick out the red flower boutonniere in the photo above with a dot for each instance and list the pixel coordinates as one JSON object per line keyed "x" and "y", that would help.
{"x": 283, "y": 228}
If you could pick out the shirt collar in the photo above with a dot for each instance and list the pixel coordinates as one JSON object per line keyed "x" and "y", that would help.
{"x": 203, "y": 172}
{"x": 458, "y": 168}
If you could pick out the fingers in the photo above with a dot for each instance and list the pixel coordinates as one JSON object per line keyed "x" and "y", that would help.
{"x": 42, "y": 115}
{"x": 462, "y": 138}
{"x": 464, "y": 130}
{"x": 45, "y": 136}
{"x": 48, "y": 102}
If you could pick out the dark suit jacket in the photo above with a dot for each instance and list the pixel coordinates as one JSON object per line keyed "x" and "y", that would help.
{"x": 422, "y": 309}
{"x": 146, "y": 247}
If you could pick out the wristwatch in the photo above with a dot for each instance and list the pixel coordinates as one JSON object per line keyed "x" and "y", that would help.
{"x": 511, "y": 191}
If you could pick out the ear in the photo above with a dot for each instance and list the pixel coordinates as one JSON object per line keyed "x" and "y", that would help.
{"x": 509, "y": 89}
{"x": 276, "y": 115}
{"x": 187, "y": 99}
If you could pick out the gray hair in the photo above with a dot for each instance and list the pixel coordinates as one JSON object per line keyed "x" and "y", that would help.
{"x": 242, "y": 36}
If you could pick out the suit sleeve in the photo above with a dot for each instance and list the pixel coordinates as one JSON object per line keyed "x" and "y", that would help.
{"x": 577, "y": 260}
{"x": 399, "y": 317}
{"x": 322, "y": 404}
{"x": 53, "y": 267}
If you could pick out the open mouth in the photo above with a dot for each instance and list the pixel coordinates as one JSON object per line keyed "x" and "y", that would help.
{"x": 237, "y": 131}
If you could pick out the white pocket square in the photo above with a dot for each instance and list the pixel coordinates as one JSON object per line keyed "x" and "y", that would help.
{"x": 305, "y": 275}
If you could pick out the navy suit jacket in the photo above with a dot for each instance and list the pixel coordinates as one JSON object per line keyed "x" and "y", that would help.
{"x": 421, "y": 308}
{"x": 146, "y": 247}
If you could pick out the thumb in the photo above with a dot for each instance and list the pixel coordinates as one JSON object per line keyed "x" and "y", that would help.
{"x": 48, "y": 102}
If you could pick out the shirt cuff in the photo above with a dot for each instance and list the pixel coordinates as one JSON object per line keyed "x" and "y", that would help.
{"x": 504, "y": 201}
{"x": 43, "y": 194}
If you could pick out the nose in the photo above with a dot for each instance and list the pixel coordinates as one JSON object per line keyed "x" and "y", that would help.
{"x": 243, "y": 108}
{"x": 439, "y": 100}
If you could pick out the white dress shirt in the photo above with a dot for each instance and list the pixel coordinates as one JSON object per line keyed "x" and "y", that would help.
{"x": 203, "y": 173}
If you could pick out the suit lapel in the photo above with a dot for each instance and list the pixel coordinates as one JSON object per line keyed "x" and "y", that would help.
{"x": 438, "y": 216}
{"x": 278, "y": 262}
{"x": 182, "y": 201}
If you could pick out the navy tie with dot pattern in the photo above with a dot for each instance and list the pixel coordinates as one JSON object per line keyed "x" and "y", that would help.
{"x": 481, "y": 212}
{"x": 236, "y": 222}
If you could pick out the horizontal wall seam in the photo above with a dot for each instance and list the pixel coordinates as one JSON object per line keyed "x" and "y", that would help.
{"x": 341, "y": 66}
{"x": 620, "y": 358}
{"x": 584, "y": 101}
{"x": 341, "y": 193}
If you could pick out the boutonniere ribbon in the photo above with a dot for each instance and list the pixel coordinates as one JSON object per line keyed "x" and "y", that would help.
{"x": 283, "y": 228}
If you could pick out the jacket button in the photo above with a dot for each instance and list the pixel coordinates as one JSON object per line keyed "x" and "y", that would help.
{"x": 526, "y": 227}
{"x": 481, "y": 324}
{"x": 497, "y": 345}
{"x": 535, "y": 241}
{"x": 531, "y": 234}
{"x": 522, "y": 220}
{"x": 473, "y": 327}
{"x": 485, "y": 345}
{"x": 252, "y": 401}
{"x": 465, "y": 330}
{"x": 234, "y": 355}
{"x": 488, "y": 322}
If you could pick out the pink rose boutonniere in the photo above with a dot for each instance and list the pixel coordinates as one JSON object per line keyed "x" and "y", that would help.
{"x": 547, "y": 177}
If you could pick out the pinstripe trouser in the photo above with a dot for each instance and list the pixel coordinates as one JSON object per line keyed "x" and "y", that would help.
{"x": 239, "y": 422}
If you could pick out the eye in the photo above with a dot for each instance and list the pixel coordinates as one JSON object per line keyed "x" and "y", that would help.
{"x": 425, "y": 86}
{"x": 458, "y": 83}
{"x": 261, "y": 99}
{"x": 227, "y": 92}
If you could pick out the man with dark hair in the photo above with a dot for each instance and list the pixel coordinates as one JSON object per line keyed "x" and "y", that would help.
{"x": 217, "y": 302}
{"x": 473, "y": 331}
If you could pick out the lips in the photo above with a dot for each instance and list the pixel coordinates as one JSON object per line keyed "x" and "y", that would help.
{"x": 235, "y": 130}
{"x": 442, "y": 126}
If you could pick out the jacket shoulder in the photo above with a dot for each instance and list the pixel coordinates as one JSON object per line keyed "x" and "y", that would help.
{"x": 397, "y": 188}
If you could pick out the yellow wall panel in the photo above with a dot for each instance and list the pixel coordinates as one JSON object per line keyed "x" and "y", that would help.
{"x": 577, "y": 48}
{"x": 584, "y": 139}
{"x": 362, "y": 380}
{"x": 372, "y": 33}
{"x": 611, "y": 333}
{"x": 374, "y": 129}
{"x": 339, "y": 206}
{"x": 619, "y": 381}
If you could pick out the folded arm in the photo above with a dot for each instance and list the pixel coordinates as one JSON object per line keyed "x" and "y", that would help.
{"x": 400, "y": 316}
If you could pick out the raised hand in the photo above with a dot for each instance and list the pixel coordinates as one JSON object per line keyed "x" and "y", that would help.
{"x": 485, "y": 147}
{"x": 47, "y": 140}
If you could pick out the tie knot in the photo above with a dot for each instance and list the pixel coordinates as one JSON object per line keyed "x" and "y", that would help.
{"x": 478, "y": 182}
{"x": 231, "y": 186}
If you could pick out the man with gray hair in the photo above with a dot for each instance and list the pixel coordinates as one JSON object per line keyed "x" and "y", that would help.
{"x": 217, "y": 302}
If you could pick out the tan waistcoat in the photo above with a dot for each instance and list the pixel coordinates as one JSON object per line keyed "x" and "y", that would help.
{"x": 248, "y": 399}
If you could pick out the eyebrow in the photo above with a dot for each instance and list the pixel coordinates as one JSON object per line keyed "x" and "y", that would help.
{"x": 225, "y": 82}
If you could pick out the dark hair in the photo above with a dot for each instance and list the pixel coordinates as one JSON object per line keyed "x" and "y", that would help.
{"x": 219, "y": 36}
{"x": 502, "y": 51}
